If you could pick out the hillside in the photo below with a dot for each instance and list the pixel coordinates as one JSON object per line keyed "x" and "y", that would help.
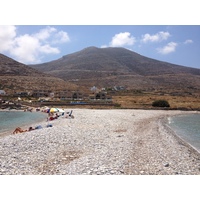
{"x": 17, "y": 77}
{"x": 10, "y": 67}
{"x": 108, "y": 67}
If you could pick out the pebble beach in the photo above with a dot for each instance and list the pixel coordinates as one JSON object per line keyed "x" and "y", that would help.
{"x": 101, "y": 142}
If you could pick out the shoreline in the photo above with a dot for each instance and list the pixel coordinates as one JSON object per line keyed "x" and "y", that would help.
{"x": 24, "y": 127}
{"x": 107, "y": 142}
{"x": 179, "y": 138}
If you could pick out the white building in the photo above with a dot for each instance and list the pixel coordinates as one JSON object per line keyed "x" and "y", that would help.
{"x": 2, "y": 92}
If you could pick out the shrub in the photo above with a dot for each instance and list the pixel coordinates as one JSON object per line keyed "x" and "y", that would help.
{"x": 117, "y": 105}
{"x": 160, "y": 103}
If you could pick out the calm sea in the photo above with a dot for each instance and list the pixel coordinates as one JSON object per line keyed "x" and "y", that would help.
{"x": 188, "y": 128}
{"x": 9, "y": 120}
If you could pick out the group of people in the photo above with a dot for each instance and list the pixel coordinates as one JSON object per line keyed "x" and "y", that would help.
{"x": 50, "y": 117}
{"x": 20, "y": 130}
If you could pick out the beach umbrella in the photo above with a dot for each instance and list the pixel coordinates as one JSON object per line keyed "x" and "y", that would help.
{"x": 60, "y": 110}
{"x": 52, "y": 110}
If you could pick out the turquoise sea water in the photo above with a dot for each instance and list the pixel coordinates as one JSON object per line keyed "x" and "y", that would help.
{"x": 9, "y": 120}
{"x": 188, "y": 128}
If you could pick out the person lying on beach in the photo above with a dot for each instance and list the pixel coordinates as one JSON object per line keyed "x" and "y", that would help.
{"x": 31, "y": 129}
{"x": 52, "y": 118}
{"x": 18, "y": 130}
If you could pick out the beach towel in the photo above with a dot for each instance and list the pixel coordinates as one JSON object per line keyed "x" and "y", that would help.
{"x": 49, "y": 125}
{"x": 38, "y": 127}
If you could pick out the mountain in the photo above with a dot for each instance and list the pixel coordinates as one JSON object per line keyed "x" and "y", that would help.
{"x": 108, "y": 67}
{"x": 18, "y": 77}
{"x": 10, "y": 67}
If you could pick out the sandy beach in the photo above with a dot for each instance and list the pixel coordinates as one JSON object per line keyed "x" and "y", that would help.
{"x": 101, "y": 142}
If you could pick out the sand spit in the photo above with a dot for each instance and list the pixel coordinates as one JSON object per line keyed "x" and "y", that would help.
{"x": 101, "y": 142}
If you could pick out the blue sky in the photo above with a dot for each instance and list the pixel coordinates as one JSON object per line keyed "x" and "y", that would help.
{"x": 38, "y": 32}
{"x": 31, "y": 44}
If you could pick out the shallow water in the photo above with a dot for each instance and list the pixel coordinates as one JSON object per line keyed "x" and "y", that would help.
{"x": 9, "y": 120}
{"x": 188, "y": 128}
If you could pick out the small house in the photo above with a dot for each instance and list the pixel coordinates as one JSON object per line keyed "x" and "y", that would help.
{"x": 2, "y": 92}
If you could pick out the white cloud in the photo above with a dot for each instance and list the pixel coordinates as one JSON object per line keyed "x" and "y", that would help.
{"x": 7, "y": 34}
{"x": 61, "y": 37}
{"x": 122, "y": 39}
{"x": 45, "y": 33}
{"x": 155, "y": 38}
{"x": 188, "y": 42}
{"x": 25, "y": 48}
{"x": 104, "y": 46}
{"x": 29, "y": 48}
{"x": 48, "y": 49}
{"x": 169, "y": 48}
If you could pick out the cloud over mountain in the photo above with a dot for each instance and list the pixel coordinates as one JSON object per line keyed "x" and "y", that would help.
{"x": 29, "y": 48}
{"x": 156, "y": 37}
{"x": 169, "y": 48}
{"x": 122, "y": 39}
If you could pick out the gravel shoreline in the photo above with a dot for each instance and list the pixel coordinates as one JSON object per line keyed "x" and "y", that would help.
{"x": 101, "y": 142}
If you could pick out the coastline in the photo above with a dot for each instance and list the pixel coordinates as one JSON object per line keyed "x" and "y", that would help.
{"x": 24, "y": 126}
{"x": 181, "y": 140}
{"x": 106, "y": 142}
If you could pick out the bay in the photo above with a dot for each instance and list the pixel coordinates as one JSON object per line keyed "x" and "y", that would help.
{"x": 187, "y": 127}
{"x": 9, "y": 120}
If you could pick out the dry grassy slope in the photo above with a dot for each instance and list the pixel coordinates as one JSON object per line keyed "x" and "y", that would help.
{"x": 146, "y": 100}
{"x": 29, "y": 83}
{"x": 10, "y": 67}
{"x": 15, "y": 77}
{"x": 107, "y": 67}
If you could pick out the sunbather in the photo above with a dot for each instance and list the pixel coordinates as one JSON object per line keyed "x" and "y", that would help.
{"x": 18, "y": 130}
{"x": 31, "y": 129}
